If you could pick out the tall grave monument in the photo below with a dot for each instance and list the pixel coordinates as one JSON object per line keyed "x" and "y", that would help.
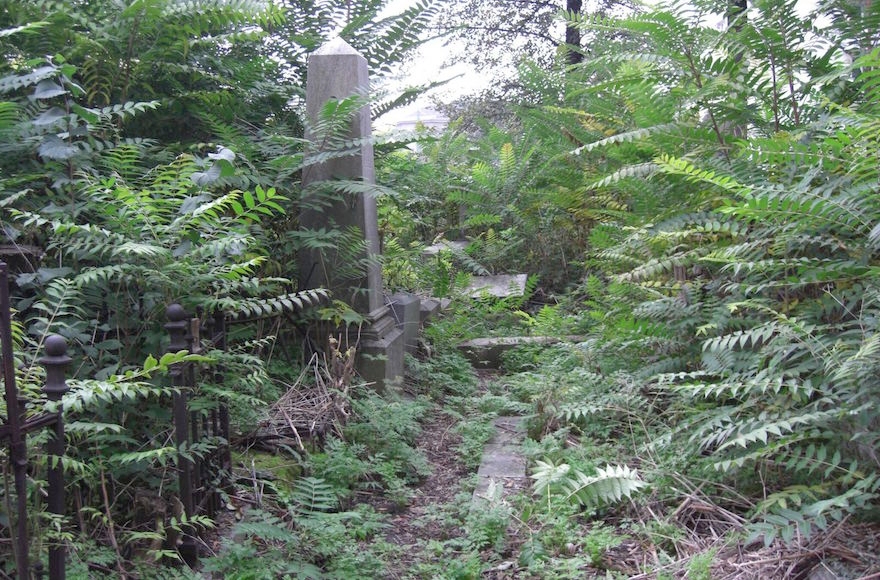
{"x": 337, "y": 71}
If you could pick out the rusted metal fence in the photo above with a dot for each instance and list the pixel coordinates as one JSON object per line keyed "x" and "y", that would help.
{"x": 13, "y": 432}
{"x": 202, "y": 475}
{"x": 202, "y": 438}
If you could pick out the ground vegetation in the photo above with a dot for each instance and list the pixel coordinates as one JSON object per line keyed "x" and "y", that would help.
{"x": 696, "y": 205}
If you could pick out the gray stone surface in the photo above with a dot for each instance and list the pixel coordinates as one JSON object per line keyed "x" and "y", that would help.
{"x": 508, "y": 431}
{"x": 503, "y": 465}
{"x": 406, "y": 310}
{"x": 500, "y": 286}
{"x": 428, "y": 308}
{"x": 381, "y": 361}
{"x": 486, "y": 353}
{"x": 337, "y": 71}
{"x": 435, "y": 249}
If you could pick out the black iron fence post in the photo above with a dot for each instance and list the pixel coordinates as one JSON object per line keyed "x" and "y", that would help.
{"x": 14, "y": 419}
{"x": 219, "y": 339}
{"x": 221, "y": 415}
{"x": 55, "y": 361}
{"x": 194, "y": 346}
{"x": 177, "y": 327}
{"x": 17, "y": 426}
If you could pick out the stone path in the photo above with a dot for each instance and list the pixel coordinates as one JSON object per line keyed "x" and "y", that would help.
{"x": 503, "y": 463}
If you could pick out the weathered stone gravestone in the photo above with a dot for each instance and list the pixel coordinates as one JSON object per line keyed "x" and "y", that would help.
{"x": 499, "y": 286}
{"x": 407, "y": 314}
{"x": 451, "y": 245}
{"x": 337, "y": 71}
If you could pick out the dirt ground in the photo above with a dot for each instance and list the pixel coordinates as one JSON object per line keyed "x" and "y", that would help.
{"x": 408, "y": 525}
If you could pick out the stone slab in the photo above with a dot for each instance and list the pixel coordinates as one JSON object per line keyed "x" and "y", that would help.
{"x": 503, "y": 466}
{"x": 486, "y": 353}
{"x": 501, "y": 462}
{"x": 500, "y": 286}
{"x": 428, "y": 308}
{"x": 380, "y": 360}
{"x": 508, "y": 431}
{"x": 456, "y": 245}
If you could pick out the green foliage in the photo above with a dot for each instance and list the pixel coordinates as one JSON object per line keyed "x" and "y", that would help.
{"x": 262, "y": 551}
{"x": 191, "y": 69}
{"x": 375, "y": 451}
{"x": 717, "y": 188}
{"x": 736, "y": 273}
{"x": 610, "y": 484}
{"x": 313, "y": 524}
{"x": 446, "y": 373}
{"x": 475, "y": 430}
{"x": 161, "y": 235}
{"x": 383, "y": 41}
{"x": 501, "y": 194}
{"x": 487, "y": 524}
{"x": 106, "y": 239}
{"x": 117, "y": 200}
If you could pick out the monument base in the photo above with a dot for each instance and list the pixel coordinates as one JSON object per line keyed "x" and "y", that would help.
{"x": 380, "y": 355}
{"x": 405, "y": 308}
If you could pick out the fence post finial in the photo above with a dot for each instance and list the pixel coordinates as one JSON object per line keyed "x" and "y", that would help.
{"x": 176, "y": 327}
{"x": 55, "y": 362}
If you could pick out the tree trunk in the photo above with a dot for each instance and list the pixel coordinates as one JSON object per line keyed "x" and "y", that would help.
{"x": 736, "y": 10}
{"x": 573, "y": 33}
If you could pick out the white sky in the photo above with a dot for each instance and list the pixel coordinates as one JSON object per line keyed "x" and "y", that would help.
{"x": 426, "y": 67}
{"x": 429, "y": 66}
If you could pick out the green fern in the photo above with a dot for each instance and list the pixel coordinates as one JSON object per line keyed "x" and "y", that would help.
{"x": 311, "y": 497}
{"x": 743, "y": 251}
{"x": 610, "y": 484}
{"x": 265, "y": 526}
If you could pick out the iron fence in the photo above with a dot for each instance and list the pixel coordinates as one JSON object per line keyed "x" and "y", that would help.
{"x": 13, "y": 432}
{"x": 201, "y": 476}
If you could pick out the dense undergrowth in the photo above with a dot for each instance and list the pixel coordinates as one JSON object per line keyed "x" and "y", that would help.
{"x": 325, "y": 511}
{"x": 725, "y": 182}
{"x": 699, "y": 205}
{"x": 151, "y": 154}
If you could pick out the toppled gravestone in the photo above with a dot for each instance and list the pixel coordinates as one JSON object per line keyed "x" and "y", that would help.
{"x": 487, "y": 353}
{"x": 502, "y": 471}
{"x": 452, "y": 246}
{"x": 499, "y": 286}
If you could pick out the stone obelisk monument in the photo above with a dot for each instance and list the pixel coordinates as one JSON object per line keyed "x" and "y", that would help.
{"x": 337, "y": 71}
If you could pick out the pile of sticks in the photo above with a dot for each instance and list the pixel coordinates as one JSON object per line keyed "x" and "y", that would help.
{"x": 312, "y": 408}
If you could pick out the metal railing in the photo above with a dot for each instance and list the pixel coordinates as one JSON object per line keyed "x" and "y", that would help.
{"x": 200, "y": 476}
{"x": 14, "y": 430}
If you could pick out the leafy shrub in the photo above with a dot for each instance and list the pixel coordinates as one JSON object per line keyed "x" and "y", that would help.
{"x": 739, "y": 267}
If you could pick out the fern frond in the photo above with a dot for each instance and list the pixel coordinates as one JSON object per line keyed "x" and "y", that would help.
{"x": 311, "y": 497}
{"x": 763, "y": 429}
{"x": 677, "y": 166}
{"x": 266, "y": 526}
{"x": 625, "y": 137}
{"x": 247, "y": 308}
{"x": 608, "y": 486}
{"x": 640, "y": 170}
